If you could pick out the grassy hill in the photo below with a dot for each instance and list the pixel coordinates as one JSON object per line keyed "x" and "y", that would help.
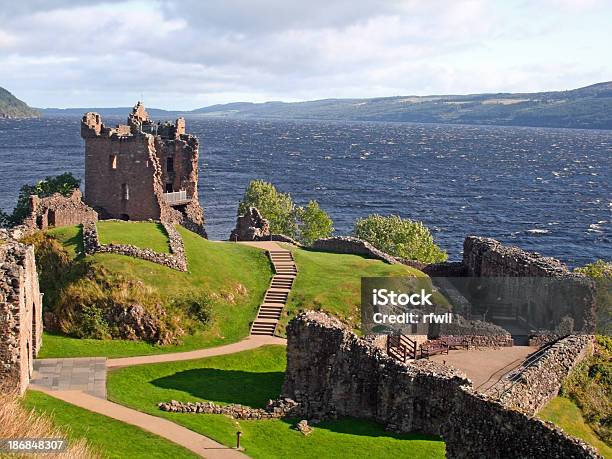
{"x": 233, "y": 275}
{"x": 11, "y": 107}
{"x": 588, "y": 107}
{"x": 222, "y": 271}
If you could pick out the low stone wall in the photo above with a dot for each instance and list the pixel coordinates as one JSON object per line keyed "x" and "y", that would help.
{"x": 331, "y": 373}
{"x": 346, "y": 244}
{"x": 275, "y": 409}
{"x": 540, "y": 383}
{"x": 176, "y": 260}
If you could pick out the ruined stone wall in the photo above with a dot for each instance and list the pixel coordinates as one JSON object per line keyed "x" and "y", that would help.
{"x": 346, "y": 244}
{"x": 547, "y": 292}
{"x": 59, "y": 210}
{"x": 20, "y": 314}
{"x": 331, "y": 372}
{"x": 539, "y": 383}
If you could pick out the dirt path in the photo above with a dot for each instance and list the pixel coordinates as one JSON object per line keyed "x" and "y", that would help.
{"x": 252, "y": 342}
{"x": 189, "y": 439}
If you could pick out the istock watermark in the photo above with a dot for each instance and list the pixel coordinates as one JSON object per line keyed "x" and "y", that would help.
{"x": 519, "y": 306}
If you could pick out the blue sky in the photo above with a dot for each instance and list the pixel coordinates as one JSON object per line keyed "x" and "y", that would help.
{"x": 190, "y": 53}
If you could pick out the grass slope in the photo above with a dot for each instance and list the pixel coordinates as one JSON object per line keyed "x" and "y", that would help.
{"x": 564, "y": 413}
{"x": 146, "y": 235}
{"x": 110, "y": 437}
{"x": 251, "y": 378}
{"x": 220, "y": 269}
{"x": 331, "y": 282}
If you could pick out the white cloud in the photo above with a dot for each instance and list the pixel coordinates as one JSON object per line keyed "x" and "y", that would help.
{"x": 191, "y": 53}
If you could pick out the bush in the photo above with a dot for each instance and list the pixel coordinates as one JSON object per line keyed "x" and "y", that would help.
{"x": 590, "y": 386}
{"x": 199, "y": 307}
{"x": 399, "y": 237}
{"x": 313, "y": 223}
{"x": 276, "y": 207}
{"x": 64, "y": 184}
{"x": 601, "y": 272}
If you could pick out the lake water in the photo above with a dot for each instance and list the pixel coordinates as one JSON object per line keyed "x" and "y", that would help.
{"x": 545, "y": 190}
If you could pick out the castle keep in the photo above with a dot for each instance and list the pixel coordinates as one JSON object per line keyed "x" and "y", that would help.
{"x": 142, "y": 170}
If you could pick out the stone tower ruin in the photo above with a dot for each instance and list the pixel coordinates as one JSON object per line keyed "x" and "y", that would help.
{"x": 142, "y": 170}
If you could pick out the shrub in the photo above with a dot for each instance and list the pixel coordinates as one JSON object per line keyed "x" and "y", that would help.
{"x": 399, "y": 237}
{"x": 590, "y": 386}
{"x": 313, "y": 223}
{"x": 64, "y": 184}
{"x": 199, "y": 307}
{"x": 601, "y": 272}
{"x": 276, "y": 207}
{"x": 90, "y": 323}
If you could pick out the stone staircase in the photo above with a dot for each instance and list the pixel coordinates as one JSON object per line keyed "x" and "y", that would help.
{"x": 277, "y": 294}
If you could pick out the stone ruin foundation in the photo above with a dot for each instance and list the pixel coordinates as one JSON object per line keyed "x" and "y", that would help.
{"x": 332, "y": 373}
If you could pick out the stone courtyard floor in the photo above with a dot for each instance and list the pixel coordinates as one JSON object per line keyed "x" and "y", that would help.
{"x": 486, "y": 366}
{"x": 86, "y": 374}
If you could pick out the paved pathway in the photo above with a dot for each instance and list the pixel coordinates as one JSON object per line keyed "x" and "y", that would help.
{"x": 86, "y": 374}
{"x": 484, "y": 367}
{"x": 276, "y": 296}
{"x": 189, "y": 439}
{"x": 252, "y": 342}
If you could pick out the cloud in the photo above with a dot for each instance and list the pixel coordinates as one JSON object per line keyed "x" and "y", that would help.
{"x": 184, "y": 54}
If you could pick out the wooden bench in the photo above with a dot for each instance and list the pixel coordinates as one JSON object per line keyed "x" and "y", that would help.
{"x": 433, "y": 347}
{"x": 456, "y": 342}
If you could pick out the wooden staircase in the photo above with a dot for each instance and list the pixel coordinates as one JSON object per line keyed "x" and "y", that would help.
{"x": 401, "y": 348}
{"x": 277, "y": 294}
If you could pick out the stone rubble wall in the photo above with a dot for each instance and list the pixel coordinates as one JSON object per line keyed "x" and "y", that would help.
{"x": 332, "y": 373}
{"x": 251, "y": 226}
{"x": 486, "y": 257}
{"x": 175, "y": 260}
{"x": 549, "y": 291}
{"x": 540, "y": 383}
{"x": 59, "y": 210}
{"x": 275, "y": 409}
{"x": 347, "y": 244}
{"x": 20, "y": 314}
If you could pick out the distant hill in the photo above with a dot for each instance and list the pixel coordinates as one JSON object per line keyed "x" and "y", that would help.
{"x": 11, "y": 107}
{"x": 589, "y": 108}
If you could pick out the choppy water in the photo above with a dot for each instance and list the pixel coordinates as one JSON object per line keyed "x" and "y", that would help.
{"x": 546, "y": 190}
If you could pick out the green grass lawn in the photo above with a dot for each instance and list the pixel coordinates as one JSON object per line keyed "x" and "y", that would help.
{"x": 109, "y": 437}
{"x": 331, "y": 282}
{"x": 222, "y": 269}
{"x": 564, "y": 413}
{"x": 251, "y": 378}
{"x": 146, "y": 235}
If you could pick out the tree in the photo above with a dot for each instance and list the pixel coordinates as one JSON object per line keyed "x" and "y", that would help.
{"x": 313, "y": 223}
{"x": 399, "y": 237}
{"x": 276, "y": 207}
{"x": 64, "y": 184}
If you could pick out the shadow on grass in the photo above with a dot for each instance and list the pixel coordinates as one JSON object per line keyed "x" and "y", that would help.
{"x": 226, "y": 386}
{"x": 77, "y": 242}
